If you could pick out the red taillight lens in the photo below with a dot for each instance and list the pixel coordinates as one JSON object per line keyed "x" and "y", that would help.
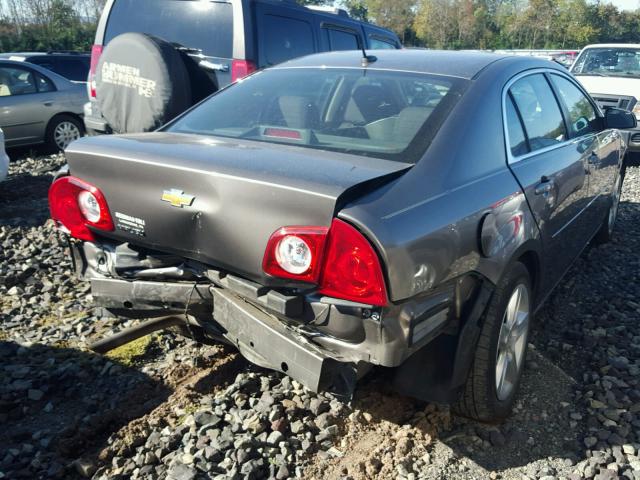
{"x": 241, "y": 68}
{"x": 351, "y": 267}
{"x": 295, "y": 252}
{"x": 77, "y": 205}
{"x": 340, "y": 260}
{"x": 96, "y": 51}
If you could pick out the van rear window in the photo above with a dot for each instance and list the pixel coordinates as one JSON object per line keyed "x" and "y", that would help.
{"x": 207, "y": 26}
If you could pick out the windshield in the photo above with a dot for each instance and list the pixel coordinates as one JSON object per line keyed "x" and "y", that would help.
{"x": 390, "y": 115}
{"x": 609, "y": 62}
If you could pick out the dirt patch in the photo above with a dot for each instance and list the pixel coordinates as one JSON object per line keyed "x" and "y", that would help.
{"x": 384, "y": 437}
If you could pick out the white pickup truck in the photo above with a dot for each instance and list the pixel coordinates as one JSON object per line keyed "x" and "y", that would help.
{"x": 610, "y": 72}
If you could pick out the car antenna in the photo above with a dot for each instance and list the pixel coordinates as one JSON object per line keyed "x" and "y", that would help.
{"x": 366, "y": 59}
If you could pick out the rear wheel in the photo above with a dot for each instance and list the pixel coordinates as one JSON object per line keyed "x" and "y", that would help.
{"x": 501, "y": 351}
{"x": 605, "y": 234}
{"x": 62, "y": 130}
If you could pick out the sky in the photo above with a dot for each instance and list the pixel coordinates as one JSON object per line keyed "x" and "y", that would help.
{"x": 626, "y": 4}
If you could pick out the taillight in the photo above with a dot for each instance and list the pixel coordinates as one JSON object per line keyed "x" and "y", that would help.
{"x": 295, "y": 252}
{"x": 96, "y": 51}
{"x": 241, "y": 68}
{"x": 351, "y": 267}
{"x": 77, "y": 205}
{"x": 340, "y": 260}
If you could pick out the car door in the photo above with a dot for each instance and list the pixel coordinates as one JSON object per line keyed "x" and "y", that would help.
{"x": 551, "y": 169}
{"x": 602, "y": 146}
{"x": 26, "y": 102}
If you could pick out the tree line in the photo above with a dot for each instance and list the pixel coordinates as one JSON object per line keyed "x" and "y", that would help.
{"x": 41, "y": 25}
{"x": 499, "y": 24}
{"x": 450, "y": 24}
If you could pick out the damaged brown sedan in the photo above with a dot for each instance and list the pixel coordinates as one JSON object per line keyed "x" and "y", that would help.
{"x": 329, "y": 215}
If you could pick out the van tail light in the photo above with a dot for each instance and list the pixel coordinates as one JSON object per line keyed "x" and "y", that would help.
{"x": 241, "y": 68}
{"x": 340, "y": 260}
{"x": 96, "y": 52}
{"x": 76, "y": 205}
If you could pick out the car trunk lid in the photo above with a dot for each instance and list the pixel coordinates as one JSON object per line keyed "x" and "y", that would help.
{"x": 217, "y": 200}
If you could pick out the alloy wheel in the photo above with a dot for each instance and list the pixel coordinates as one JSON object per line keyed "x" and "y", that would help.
{"x": 512, "y": 342}
{"x": 65, "y": 133}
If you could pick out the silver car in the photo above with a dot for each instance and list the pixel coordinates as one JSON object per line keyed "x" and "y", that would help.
{"x": 38, "y": 106}
{"x": 4, "y": 158}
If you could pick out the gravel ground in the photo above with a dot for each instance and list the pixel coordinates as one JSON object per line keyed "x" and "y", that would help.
{"x": 166, "y": 407}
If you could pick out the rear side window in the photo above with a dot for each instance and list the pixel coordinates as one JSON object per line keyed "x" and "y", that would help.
{"x": 380, "y": 44}
{"x": 582, "y": 116}
{"x": 207, "y": 26}
{"x": 539, "y": 111}
{"x": 44, "y": 62}
{"x": 286, "y": 38}
{"x": 517, "y": 139}
{"x": 73, "y": 68}
{"x": 44, "y": 84}
{"x": 341, "y": 40}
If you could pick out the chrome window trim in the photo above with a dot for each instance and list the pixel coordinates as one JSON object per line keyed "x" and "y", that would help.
{"x": 511, "y": 159}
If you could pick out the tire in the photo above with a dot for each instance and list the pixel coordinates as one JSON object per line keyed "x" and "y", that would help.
{"x": 62, "y": 130}
{"x": 605, "y": 234}
{"x": 143, "y": 81}
{"x": 484, "y": 398}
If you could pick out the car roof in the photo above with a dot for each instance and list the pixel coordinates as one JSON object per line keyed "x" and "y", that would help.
{"x": 19, "y": 55}
{"x": 462, "y": 64}
{"x": 613, "y": 45}
{"x": 41, "y": 54}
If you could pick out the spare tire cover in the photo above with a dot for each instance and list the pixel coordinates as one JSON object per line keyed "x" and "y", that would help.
{"x": 141, "y": 83}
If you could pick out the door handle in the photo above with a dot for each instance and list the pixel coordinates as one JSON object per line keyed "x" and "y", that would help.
{"x": 48, "y": 103}
{"x": 545, "y": 186}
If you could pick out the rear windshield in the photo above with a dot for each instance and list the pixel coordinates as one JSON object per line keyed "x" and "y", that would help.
{"x": 609, "y": 62}
{"x": 197, "y": 24}
{"x": 390, "y": 115}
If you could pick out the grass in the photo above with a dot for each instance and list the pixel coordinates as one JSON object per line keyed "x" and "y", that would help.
{"x": 188, "y": 410}
{"x": 130, "y": 353}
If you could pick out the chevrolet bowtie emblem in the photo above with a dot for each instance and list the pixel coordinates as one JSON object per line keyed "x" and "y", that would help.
{"x": 177, "y": 198}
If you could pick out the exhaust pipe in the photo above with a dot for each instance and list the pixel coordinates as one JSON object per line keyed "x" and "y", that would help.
{"x": 133, "y": 333}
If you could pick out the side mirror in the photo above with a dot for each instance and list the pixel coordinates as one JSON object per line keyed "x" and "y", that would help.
{"x": 618, "y": 118}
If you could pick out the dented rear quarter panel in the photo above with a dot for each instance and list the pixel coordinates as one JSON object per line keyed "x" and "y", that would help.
{"x": 427, "y": 224}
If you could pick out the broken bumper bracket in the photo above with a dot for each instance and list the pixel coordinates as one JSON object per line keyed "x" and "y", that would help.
{"x": 266, "y": 341}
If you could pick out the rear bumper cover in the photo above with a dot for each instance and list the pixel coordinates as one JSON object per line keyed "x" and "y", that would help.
{"x": 322, "y": 343}
{"x": 93, "y": 119}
